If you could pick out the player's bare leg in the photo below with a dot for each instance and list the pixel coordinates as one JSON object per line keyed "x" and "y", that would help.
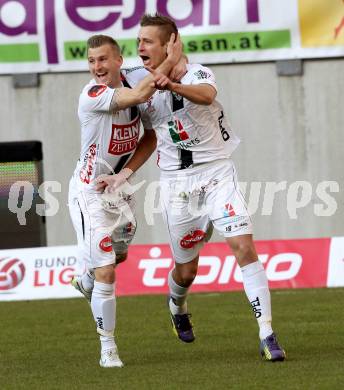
{"x": 85, "y": 282}
{"x": 179, "y": 281}
{"x": 103, "y": 305}
{"x": 258, "y": 293}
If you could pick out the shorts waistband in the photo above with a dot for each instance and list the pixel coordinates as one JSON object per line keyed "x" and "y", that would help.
{"x": 193, "y": 169}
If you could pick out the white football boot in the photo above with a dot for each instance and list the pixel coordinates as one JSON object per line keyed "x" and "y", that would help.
{"x": 76, "y": 283}
{"x": 110, "y": 358}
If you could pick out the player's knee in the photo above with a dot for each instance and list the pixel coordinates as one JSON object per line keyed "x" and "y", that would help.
{"x": 121, "y": 257}
{"x": 243, "y": 251}
{"x": 187, "y": 276}
{"x": 105, "y": 274}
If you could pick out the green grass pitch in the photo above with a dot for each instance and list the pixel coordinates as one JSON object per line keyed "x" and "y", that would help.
{"x": 52, "y": 344}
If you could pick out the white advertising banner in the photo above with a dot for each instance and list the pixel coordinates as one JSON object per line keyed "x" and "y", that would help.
{"x": 50, "y": 35}
{"x": 38, "y": 273}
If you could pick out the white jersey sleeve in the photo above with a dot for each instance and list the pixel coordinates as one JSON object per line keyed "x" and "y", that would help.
{"x": 95, "y": 99}
{"x": 199, "y": 74}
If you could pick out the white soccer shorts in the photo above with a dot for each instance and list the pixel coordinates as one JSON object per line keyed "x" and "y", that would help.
{"x": 102, "y": 231}
{"x": 195, "y": 199}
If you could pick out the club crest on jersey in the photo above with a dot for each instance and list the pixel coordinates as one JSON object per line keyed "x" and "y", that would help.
{"x": 179, "y": 136}
{"x": 96, "y": 90}
{"x": 177, "y": 131}
{"x": 124, "y": 138}
{"x": 192, "y": 238}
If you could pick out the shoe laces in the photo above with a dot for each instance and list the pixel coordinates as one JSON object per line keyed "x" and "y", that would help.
{"x": 110, "y": 352}
{"x": 183, "y": 322}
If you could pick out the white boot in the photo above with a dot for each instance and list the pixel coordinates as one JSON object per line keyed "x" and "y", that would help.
{"x": 110, "y": 358}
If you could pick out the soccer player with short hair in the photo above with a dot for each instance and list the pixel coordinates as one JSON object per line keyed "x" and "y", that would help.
{"x": 110, "y": 126}
{"x": 199, "y": 181}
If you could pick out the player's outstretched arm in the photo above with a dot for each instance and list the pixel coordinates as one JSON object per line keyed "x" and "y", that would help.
{"x": 126, "y": 97}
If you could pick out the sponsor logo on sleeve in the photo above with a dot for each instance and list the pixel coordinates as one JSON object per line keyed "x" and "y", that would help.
{"x": 201, "y": 74}
{"x": 96, "y": 90}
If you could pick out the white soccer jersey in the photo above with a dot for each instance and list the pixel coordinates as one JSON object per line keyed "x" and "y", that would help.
{"x": 187, "y": 133}
{"x": 107, "y": 140}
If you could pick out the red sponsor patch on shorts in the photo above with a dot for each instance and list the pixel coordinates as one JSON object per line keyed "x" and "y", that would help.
{"x": 96, "y": 90}
{"x": 106, "y": 244}
{"x": 192, "y": 238}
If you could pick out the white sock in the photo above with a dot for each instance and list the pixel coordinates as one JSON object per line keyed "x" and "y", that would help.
{"x": 258, "y": 293}
{"x": 87, "y": 280}
{"x": 103, "y": 305}
{"x": 178, "y": 294}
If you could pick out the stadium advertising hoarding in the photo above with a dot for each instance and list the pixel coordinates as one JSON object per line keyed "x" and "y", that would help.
{"x": 50, "y": 35}
{"x": 41, "y": 273}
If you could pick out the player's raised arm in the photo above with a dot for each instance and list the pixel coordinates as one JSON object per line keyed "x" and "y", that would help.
{"x": 199, "y": 94}
{"x": 203, "y": 94}
{"x": 200, "y": 87}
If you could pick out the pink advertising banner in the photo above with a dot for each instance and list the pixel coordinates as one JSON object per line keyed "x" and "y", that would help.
{"x": 42, "y": 273}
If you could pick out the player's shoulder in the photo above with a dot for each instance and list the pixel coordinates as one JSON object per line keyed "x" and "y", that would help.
{"x": 93, "y": 90}
{"x": 134, "y": 74}
{"x": 198, "y": 71}
{"x": 95, "y": 97}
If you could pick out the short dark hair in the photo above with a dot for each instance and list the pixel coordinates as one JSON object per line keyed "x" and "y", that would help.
{"x": 99, "y": 40}
{"x": 166, "y": 25}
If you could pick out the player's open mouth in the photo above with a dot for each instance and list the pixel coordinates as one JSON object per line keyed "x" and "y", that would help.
{"x": 145, "y": 59}
{"x": 102, "y": 76}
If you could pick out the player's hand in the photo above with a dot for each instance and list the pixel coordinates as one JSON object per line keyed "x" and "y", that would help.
{"x": 110, "y": 183}
{"x": 160, "y": 81}
{"x": 174, "y": 48}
